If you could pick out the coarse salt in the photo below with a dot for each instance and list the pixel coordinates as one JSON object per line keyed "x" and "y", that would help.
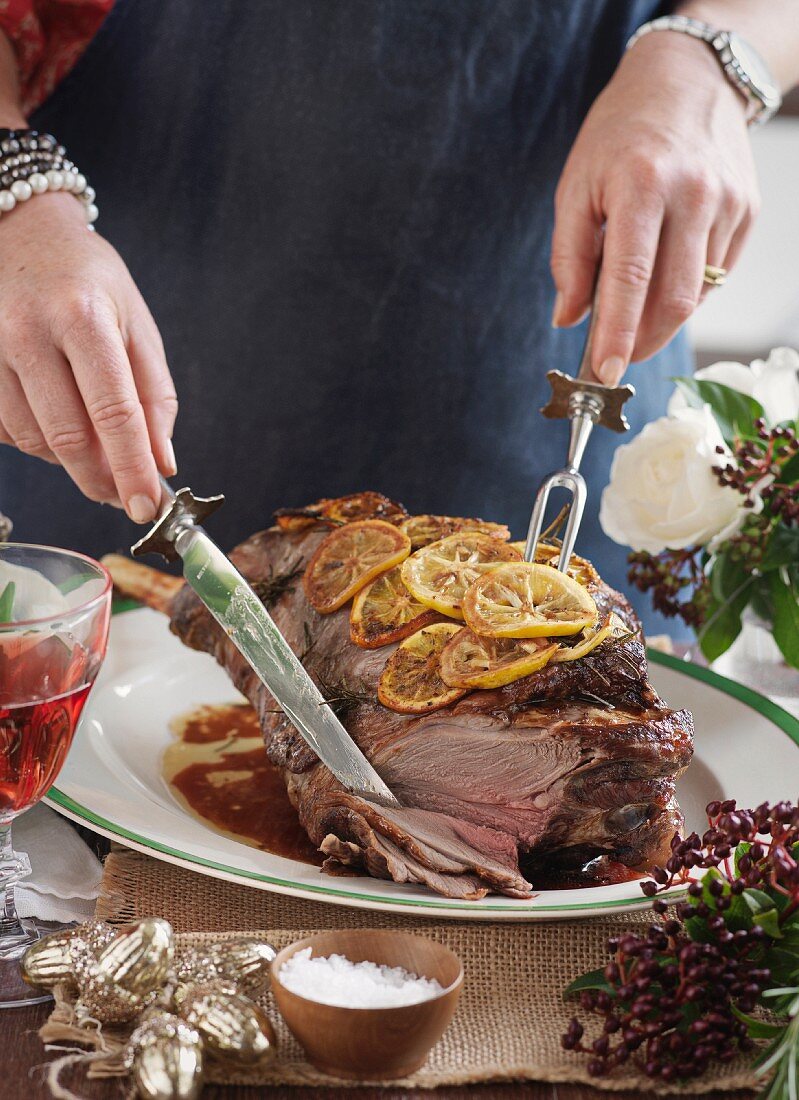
{"x": 334, "y": 980}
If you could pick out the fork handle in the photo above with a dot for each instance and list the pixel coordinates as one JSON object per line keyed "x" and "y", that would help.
{"x": 586, "y": 371}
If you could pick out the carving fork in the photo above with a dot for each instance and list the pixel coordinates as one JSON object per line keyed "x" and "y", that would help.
{"x": 584, "y": 401}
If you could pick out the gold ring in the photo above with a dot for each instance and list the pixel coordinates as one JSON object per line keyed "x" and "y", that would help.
{"x": 714, "y": 276}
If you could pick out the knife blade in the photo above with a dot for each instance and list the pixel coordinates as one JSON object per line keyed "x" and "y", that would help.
{"x": 253, "y": 631}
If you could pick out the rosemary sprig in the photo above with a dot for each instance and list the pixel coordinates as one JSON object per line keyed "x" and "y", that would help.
{"x": 342, "y": 699}
{"x": 271, "y": 588}
{"x": 308, "y": 642}
{"x": 781, "y": 1057}
{"x": 604, "y": 703}
{"x": 551, "y": 534}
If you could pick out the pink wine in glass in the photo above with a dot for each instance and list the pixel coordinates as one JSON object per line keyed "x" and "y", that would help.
{"x": 34, "y": 741}
{"x": 54, "y": 612}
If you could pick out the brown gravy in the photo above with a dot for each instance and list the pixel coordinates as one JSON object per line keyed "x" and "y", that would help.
{"x": 218, "y": 769}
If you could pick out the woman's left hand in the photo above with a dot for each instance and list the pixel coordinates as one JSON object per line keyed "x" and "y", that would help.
{"x": 663, "y": 161}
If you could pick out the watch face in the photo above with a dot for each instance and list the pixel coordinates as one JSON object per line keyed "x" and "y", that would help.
{"x": 755, "y": 68}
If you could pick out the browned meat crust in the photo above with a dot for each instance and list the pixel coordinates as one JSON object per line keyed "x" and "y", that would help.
{"x": 576, "y": 760}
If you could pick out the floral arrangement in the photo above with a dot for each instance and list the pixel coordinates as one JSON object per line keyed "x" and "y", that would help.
{"x": 707, "y": 498}
{"x": 719, "y": 974}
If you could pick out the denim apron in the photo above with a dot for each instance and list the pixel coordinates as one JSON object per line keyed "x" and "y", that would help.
{"x": 340, "y": 214}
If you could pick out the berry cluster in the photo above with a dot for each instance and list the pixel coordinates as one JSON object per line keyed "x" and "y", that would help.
{"x": 771, "y": 863}
{"x": 758, "y": 467}
{"x": 670, "y": 1001}
{"x": 667, "y": 577}
{"x": 670, "y": 996}
{"x": 678, "y": 580}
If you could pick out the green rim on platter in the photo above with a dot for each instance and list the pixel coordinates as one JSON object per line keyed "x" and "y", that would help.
{"x": 774, "y": 713}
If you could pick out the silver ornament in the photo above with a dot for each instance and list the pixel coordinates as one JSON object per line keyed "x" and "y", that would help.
{"x": 140, "y": 957}
{"x": 233, "y": 1028}
{"x": 119, "y": 980}
{"x": 52, "y": 958}
{"x": 101, "y": 998}
{"x": 194, "y": 964}
{"x": 49, "y": 961}
{"x": 245, "y": 962}
{"x": 165, "y": 1058}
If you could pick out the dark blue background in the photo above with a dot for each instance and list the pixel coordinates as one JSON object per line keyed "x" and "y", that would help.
{"x": 340, "y": 215}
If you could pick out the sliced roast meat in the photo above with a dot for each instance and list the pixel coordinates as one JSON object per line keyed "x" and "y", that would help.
{"x": 575, "y": 761}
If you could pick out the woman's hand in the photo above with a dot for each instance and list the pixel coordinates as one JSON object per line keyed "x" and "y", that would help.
{"x": 83, "y": 377}
{"x": 663, "y": 161}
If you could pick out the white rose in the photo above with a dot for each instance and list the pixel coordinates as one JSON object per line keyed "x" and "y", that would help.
{"x": 662, "y": 492}
{"x": 774, "y": 382}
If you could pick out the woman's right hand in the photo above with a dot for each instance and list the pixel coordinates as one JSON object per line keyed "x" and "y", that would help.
{"x": 83, "y": 376}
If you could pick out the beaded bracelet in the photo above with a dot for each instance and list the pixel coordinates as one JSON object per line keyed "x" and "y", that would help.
{"x": 32, "y": 164}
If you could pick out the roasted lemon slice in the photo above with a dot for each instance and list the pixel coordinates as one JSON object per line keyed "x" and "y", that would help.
{"x": 579, "y": 568}
{"x": 609, "y": 626}
{"x": 439, "y": 574}
{"x": 422, "y": 530}
{"x": 411, "y": 681}
{"x": 349, "y": 558}
{"x": 469, "y": 661}
{"x": 360, "y": 506}
{"x": 338, "y": 510}
{"x": 385, "y": 611}
{"x": 527, "y": 600}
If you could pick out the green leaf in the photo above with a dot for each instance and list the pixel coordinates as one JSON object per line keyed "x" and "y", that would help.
{"x": 767, "y": 1055}
{"x": 758, "y": 900}
{"x": 741, "y": 850}
{"x": 783, "y": 963}
{"x": 735, "y": 917}
{"x": 73, "y": 582}
{"x": 723, "y": 622}
{"x": 758, "y": 1029}
{"x": 790, "y": 471}
{"x": 783, "y": 548}
{"x": 727, "y": 577}
{"x": 785, "y": 598}
{"x": 770, "y": 922}
{"x": 7, "y": 602}
{"x": 735, "y": 412}
{"x": 595, "y": 979}
{"x": 760, "y": 599}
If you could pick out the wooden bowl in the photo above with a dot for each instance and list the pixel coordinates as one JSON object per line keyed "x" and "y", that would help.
{"x": 370, "y": 1044}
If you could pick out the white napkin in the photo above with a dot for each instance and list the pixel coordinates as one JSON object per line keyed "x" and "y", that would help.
{"x": 65, "y": 879}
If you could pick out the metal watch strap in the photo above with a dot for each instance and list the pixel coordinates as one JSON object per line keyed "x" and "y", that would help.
{"x": 720, "y": 41}
{"x": 681, "y": 23}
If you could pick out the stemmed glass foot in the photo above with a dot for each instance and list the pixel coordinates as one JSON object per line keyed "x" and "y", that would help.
{"x": 17, "y": 933}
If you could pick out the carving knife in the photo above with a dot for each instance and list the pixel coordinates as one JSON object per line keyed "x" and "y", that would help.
{"x": 250, "y": 627}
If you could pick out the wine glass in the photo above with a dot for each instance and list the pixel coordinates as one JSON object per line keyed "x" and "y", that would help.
{"x": 54, "y": 612}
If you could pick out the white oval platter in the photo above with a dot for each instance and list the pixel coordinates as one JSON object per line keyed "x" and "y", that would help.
{"x": 746, "y": 748}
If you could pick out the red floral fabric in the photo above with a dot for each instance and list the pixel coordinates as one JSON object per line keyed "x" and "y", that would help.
{"x": 48, "y": 37}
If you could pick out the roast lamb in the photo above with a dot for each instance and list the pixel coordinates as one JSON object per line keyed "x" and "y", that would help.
{"x": 572, "y": 764}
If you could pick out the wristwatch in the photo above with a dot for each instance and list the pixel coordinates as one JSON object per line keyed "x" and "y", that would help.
{"x": 744, "y": 67}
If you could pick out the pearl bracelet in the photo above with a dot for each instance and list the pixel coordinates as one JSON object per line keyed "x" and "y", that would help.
{"x": 32, "y": 164}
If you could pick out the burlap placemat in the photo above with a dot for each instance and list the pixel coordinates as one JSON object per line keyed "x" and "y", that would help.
{"x": 511, "y": 1015}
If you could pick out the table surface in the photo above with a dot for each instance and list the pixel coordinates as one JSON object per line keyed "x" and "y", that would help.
{"x": 23, "y": 1068}
{"x": 23, "y": 1065}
